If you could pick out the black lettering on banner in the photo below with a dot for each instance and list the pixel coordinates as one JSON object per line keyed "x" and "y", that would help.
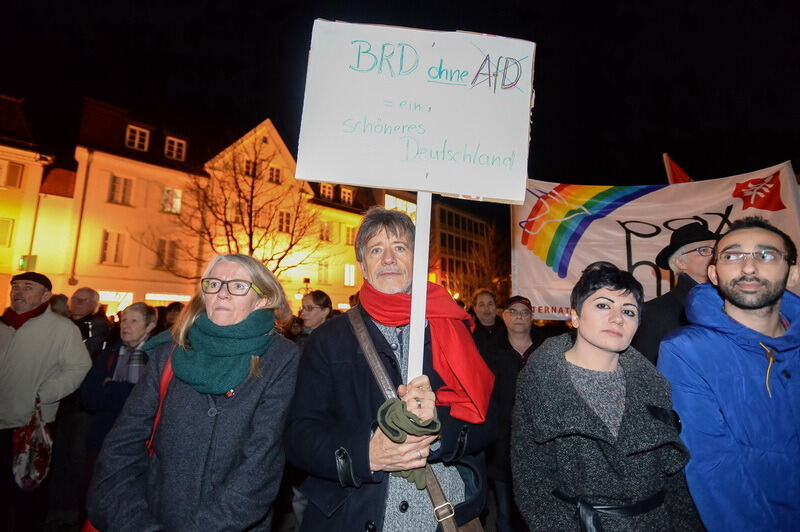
{"x": 724, "y": 219}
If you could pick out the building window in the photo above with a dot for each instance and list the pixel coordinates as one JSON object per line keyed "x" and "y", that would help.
{"x": 349, "y": 274}
{"x": 326, "y": 231}
{"x": 137, "y": 138}
{"x": 236, "y": 211}
{"x": 120, "y": 190}
{"x": 175, "y": 148}
{"x": 347, "y": 196}
{"x": 322, "y": 272}
{"x": 284, "y": 222}
{"x": 166, "y": 254}
{"x": 6, "y": 232}
{"x": 398, "y": 204}
{"x": 274, "y": 175}
{"x": 251, "y": 168}
{"x": 171, "y": 200}
{"x": 112, "y": 248}
{"x": 11, "y": 174}
{"x": 326, "y": 190}
{"x": 351, "y": 235}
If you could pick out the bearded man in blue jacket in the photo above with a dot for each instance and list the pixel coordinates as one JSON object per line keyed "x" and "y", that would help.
{"x": 735, "y": 377}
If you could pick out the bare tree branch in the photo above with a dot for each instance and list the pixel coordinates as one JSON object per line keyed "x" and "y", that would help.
{"x": 243, "y": 206}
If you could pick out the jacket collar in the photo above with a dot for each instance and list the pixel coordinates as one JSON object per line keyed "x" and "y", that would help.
{"x": 704, "y": 307}
{"x": 564, "y": 413}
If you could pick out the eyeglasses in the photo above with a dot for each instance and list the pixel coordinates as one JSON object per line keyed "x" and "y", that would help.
{"x": 762, "y": 256}
{"x": 236, "y": 287}
{"x": 309, "y": 308}
{"x": 703, "y": 251}
{"x": 525, "y": 313}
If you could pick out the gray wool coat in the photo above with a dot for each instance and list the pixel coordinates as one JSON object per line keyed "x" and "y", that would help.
{"x": 218, "y": 460}
{"x": 559, "y": 443}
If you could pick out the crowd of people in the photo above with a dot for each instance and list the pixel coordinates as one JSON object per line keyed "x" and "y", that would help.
{"x": 680, "y": 413}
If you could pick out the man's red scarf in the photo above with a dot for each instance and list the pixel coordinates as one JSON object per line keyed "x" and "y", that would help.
{"x": 18, "y": 320}
{"x": 468, "y": 382}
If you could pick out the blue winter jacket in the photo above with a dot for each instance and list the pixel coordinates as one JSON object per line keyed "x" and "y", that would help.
{"x": 740, "y": 413}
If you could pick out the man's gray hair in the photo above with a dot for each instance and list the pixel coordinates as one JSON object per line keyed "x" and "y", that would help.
{"x": 377, "y": 219}
{"x": 94, "y": 296}
{"x": 680, "y": 251}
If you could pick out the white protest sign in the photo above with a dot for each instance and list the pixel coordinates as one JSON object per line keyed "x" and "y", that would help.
{"x": 560, "y": 228}
{"x": 443, "y": 112}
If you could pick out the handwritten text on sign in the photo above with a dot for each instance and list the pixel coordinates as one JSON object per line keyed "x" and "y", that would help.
{"x": 420, "y": 110}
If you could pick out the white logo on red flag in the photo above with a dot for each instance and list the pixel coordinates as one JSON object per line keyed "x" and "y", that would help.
{"x": 763, "y": 193}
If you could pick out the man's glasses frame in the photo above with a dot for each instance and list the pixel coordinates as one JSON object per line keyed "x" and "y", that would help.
{"x": 761, "y": 256}
{"x": 525, "y": 313}
{"x": 703, "y": 251}
{"x": 240, "y": 287}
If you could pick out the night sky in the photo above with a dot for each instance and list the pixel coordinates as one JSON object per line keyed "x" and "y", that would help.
{"x": 716, "y": 85}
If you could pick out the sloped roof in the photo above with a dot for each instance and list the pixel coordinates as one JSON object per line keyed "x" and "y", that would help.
{"x": 14, "y": 128}
{"x": 103, "y": 127}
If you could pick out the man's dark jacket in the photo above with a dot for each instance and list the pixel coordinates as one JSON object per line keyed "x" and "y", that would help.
{"x": 94, "y": 330}
{"x": 662, "y": 315}
{"x": 333, "y": 417}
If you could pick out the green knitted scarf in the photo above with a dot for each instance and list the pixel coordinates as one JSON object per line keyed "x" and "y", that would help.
{"x": 217, "y": 357}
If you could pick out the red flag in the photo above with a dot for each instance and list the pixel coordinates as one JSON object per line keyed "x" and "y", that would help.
{"x": 675, "y": 173}
{"x": 764, "y": 193}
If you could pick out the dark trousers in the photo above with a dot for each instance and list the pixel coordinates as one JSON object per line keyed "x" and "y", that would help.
{"x": 20, "y": 511}
{"x": 508, "y": 517}
{"x": 67, "y": 494}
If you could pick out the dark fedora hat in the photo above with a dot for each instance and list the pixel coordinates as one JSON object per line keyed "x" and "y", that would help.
{"x": 693, "y": 232}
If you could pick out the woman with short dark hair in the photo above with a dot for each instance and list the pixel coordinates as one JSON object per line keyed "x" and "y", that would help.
{"x": 595, "y": 440}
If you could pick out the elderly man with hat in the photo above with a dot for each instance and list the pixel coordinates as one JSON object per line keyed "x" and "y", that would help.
{"x": 43, "y": 357}
{"x": 688, "y": 254}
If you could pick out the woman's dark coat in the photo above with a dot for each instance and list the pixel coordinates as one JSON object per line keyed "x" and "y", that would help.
{"x": 559, "y": 443}
{"x": 333, "y": 417}
{"x": 104, "y": 400}
{"x": 218, "y": 460}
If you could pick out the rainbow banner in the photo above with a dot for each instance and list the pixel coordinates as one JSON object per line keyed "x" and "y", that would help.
{"x": 560, "y": 229}
{"x": 562, "y": 215}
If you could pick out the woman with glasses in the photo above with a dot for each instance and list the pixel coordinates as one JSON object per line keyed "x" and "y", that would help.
{"x": 316, "y": 309}
{"x": 595, "y": 442}
{"x": 216, "y": 424}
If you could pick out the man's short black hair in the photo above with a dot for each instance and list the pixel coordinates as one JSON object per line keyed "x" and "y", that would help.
{"x": 603, "y": 274}
{"x": 757, "y": 222}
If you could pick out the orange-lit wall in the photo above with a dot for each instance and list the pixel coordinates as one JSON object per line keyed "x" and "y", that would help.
{"x": 18, "y": 204}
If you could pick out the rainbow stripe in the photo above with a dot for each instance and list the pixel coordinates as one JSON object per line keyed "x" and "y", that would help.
{"x": 560, "y": 217}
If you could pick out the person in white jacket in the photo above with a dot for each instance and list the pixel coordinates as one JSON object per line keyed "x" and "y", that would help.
{"x": 44, "y": 355}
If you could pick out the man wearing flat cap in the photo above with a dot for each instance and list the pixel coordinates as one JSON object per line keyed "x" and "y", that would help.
{"x": 688, "y": 254}
{"x": 43, "y": 357}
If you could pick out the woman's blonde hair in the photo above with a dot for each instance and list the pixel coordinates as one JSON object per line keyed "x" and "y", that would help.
{"x": 260, "y": 276}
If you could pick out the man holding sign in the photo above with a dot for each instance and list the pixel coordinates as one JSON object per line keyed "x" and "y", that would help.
{"x": 366, "y": 472}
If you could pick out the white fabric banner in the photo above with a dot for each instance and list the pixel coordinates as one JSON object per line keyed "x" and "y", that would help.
{"x": 560, "y": 229}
